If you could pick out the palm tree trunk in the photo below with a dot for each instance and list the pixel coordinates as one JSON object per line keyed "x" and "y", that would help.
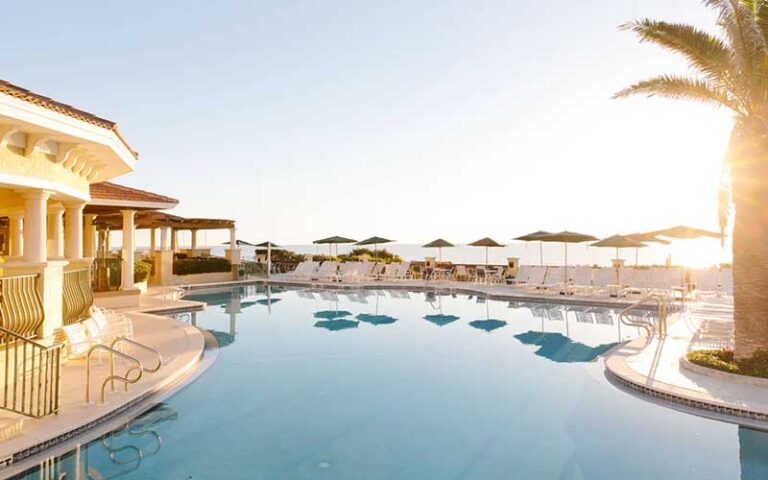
{"x": 749, "y": 174}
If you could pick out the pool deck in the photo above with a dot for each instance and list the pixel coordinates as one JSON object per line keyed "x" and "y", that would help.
{"x": 655, "y": 369}
{"x": 182, "y": 349}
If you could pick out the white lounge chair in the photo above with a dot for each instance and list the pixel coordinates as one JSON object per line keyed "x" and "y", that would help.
{"x": 328, "y": 271}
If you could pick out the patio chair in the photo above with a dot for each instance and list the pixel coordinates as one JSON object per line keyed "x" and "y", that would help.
{"x": 460, "y": 273}
{"x": 328, "y": 270}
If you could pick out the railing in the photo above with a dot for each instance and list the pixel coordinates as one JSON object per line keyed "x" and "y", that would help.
{"x": 31, "y": 375}
{"x": 124, "y": 379}
{"x": 78, "y": 296}
{"x": 660, "y": 326}
{"x": 21, "y": 306}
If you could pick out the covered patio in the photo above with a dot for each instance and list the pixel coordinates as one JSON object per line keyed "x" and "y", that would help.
{"x": 164, "y": 245}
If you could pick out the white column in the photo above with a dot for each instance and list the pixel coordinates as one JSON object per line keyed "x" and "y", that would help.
{"x": 164, "y": 238}
{"x": 57, "y": 231}
{"x": 233, "y": 238}
{"x": 74, "y": 230}
{"x": 174, "y": 240}
{"x": 35, "y": 226}
{"x": 16, "y": 234}
{"x": 194, "y": 240}
{"x": 152, "y": 240}
{"x": 129, "y": 235}
{"x": 89, "y": 233}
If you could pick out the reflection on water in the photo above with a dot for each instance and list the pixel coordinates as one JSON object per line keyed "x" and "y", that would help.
{"x": 488, "y": 325}
{"x": 116, "y": 454}
{"x": 559, "y": 348}
{"x": 753, "y": 454}
{"x": 337, "y": 325}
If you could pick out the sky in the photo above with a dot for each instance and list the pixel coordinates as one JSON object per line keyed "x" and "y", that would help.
{"x": 406, "y": 119}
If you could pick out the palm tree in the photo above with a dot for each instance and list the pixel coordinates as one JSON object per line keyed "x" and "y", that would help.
{"x": 730, "y": 71}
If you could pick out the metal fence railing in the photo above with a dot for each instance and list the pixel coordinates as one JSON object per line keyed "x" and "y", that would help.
{"x": 21, "y": 306}
{"x": 30, "y": 378}
{"x": 78, "y": 296}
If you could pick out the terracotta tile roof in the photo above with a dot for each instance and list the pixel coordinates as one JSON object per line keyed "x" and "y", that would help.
{"x": 113, "y": 191}
{"x": 68, "y": 110}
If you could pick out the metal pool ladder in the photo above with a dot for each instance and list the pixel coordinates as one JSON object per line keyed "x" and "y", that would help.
{"x": 660, "y": 328}
{"x": 125, "y": 379}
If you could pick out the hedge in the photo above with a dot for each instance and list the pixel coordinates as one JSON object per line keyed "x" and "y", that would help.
{"x": 191, "y": 266}
{"x": 756, "y": 366}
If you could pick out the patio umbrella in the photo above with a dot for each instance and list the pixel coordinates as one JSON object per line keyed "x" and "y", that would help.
{"x": 241, "y": 243}
{"x": 565, "y": 237}
{"x": 439, "y": 244}
{"x": 647, "y": 238}
{"x": 618, "y": 242}
{"x": 487, "y": 243}
{"x": 684, "y": 232}
{"x": 335, "y": 240}
{"x": 534, "y": 237}
{"x": 269, "y": 246}
{"x": 375, "y": 241}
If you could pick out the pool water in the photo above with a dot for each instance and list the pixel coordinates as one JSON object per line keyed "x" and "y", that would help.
{"x": 315, "y": 384}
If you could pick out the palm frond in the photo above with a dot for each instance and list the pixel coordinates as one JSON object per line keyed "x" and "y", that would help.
{"x": 745, "y": 37}
{"x": 686, "y": 88}
{"x": 708, "y": 54}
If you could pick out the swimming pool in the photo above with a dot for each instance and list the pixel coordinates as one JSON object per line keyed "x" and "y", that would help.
{"x": 313, "y": 384}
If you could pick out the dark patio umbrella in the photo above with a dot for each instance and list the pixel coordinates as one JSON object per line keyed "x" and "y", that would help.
{"x": 439, "y": 244}
{"x": 684, "y": 232}
{"x": 375, "y": 241}
{"x": 534, "y": 237}
{"x": 646, "y": 238}
{"x": 241, "y": 243}
{"x": 487, "y": 243}
{"x": 618, "y": 242}
{"x": 335, "y": 240}
{"x": 565, "y": 237}
{"x": 336, "y": 325}
{"x": 561, "y": 349}
{"x": 269, "y": 246}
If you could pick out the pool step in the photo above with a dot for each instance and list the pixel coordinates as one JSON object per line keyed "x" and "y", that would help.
{"x": 10, "y": 427}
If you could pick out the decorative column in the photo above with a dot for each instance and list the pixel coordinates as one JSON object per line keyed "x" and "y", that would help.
{"x": 16, "y": 234}
{"x": 89, "y": 232}
{"x": 57, "y": 231}
{"x": 194, "y": 240}
{"x": 232, "y": 238}
{"x": 164, "y": 238}
{"x": 152, "y": 241}
{"x": 129, "y": 234}
{"x": 174, "y": 240}
{"x": 35, "y": 226}
{"x": 74, "y": 230}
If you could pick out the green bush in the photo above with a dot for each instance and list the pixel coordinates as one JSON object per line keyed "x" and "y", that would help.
{"x": 141, "y": 271}
{"x": 756, "y": 366}
{"x": 191, "y": 266}
{"x": 374, "y": 256}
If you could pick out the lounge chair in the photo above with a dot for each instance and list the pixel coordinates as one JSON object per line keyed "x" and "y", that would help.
{"x": 304, "y": 270}
{"x": 328, "y": 270}
{"x": 347, "y": 271}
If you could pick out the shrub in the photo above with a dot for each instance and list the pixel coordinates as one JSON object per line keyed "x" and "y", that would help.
{"x": 756, "y": 366}
{"x": 374, "y": 255}
{"x": 191, "y": 266}
{"x": 141, "y": 271}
